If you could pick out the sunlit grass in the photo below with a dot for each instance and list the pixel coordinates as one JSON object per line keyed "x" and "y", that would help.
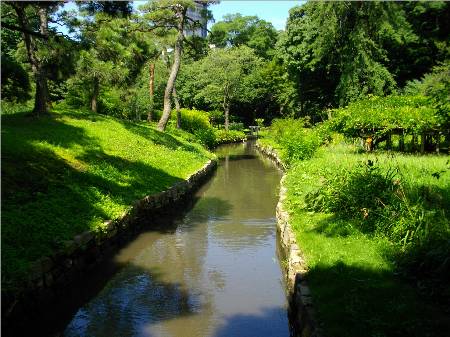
{"x": 68, "y": 173}
{"x": 354, "y": 276}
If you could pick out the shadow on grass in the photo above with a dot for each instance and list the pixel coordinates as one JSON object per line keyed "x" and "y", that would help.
{"x": 157, "y": 137}
{"x": 47, "y": 199}
{"x": 356, "y": 301}
{"x": 334, "y": 226}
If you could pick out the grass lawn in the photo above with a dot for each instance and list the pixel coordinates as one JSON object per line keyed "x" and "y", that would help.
{"x": 64, "y": 174}
{"x": 353, "y": 275}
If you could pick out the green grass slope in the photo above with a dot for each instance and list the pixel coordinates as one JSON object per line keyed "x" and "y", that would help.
{"x": 358, "y": 274}
{"x": 64, "y": 174}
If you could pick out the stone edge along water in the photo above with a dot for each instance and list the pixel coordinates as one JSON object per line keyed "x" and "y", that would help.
{"x": 301, "y": 311}
{"x": 86, "y": 250}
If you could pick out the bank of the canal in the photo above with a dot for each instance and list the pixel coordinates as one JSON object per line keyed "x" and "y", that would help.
{"x": 303, "y": 320}
{"x": 212, "y": 272}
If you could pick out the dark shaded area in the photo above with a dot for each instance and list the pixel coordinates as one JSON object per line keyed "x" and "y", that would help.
{"x": 252, "y": 325}
{"x": 372, "y": 303}
{"x": 235, "y": 157}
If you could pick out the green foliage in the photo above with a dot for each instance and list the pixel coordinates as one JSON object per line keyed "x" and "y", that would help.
{"x": 216, "y": 117}
{"x": 436, "y": 86}
{"x": 193, "y": 120}
{"x": 15, "y": 81}
{"x": 220, "y": 79}
{"x": 237, "y": 30}
{"x": 66, "y": 174}
{"x": 196, "y": 122}
{"x": 230, "y": 136}
{"x": 296, "y": 141}
{"x": 380, "y": 200}
{"x": 363, "y": 220}
{"x": 381, "y": 114}
{"x": 236, "y": 126}
{"x": 12, "y": 108}
{"x": 337, "y": 52}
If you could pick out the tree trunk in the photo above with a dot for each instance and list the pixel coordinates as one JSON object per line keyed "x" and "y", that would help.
{"x": 41, "y": 98}
{"x": 174, "y": 71}
{"x": 389, "y": 141}
{"x": 226, "y": 109}
{"x": 422, "y": 142}
{"x": 151, "y": 85}
{"x": 95, "y": 92}
{"x": 177, "y": 107}
{"x": 401, "y": 142}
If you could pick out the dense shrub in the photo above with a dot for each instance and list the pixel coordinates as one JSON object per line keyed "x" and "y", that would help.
{"x": 236, "y": 126}
{"x": 206, "y": 137}
{"x": 216, "y": 117}
{"x": 11, "y": 108}
{"x": 193, "y": 120}
{"x": 382, "y": 114}
{"x": 230, "y": 136}
{"x": 378, "y": 201}
{"x": 197, "y": 122}
{"x": 297, "y": 141}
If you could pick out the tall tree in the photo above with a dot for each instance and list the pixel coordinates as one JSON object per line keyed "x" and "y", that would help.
{"x": 237, "y": 30}
{"x": 113, "y": 54}
{"x": 32, "y": 21}
{"x": 165, "y": 17}
{"x": 337, "y": 51}
{"x": 225, "y": 77}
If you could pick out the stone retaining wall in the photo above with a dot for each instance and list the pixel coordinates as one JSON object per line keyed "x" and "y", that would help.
{"x": 49, "y": 275}
{"x": 301, "y": 311}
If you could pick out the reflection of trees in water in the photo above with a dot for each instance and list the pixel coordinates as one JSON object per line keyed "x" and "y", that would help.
{"x": 132, "y": 300}
{"x": 166, "y": 289}
{"x": 251, "y": 190}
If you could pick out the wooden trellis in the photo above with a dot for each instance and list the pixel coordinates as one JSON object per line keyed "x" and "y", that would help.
{"x": 426, "y": 141}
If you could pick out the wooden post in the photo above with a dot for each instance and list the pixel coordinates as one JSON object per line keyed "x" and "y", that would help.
{"x": 401, "y": 142}
{"x": 389, "y": 141}
{"x": 422, "y": 142}
{"x": 438, "y": 141}
{"x": 413, "y": 143}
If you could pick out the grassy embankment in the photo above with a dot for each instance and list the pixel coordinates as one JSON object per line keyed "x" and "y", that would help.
{"x": 68, "y": 173}
{"x": 363, "y": 222}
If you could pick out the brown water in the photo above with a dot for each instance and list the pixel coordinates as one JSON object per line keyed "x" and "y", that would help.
{"x": 215, "y": 274}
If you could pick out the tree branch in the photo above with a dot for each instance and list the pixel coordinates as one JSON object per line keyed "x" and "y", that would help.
{"x": 23, "y": 30}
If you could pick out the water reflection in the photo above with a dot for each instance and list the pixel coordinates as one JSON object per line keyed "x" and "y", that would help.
{"x": 215, "y": 274}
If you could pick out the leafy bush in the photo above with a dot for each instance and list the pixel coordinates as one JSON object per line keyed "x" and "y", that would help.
{"x": 216, "y": 117}
{"x": 193, "y": 120}
{"x": 206, "y": 137}
{"x": 259, "y": 122}
{"x": 379, "y": 202}
{"x": 11, "y": 108}
{"x": 230, "y": 136}
{"x": 236, "y": 126}
{"x": 297, "y": 142}
{"x": 381, "y": 114}
{"x": 435, "y": 85}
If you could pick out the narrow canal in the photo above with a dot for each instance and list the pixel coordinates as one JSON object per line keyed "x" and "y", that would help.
{"x": 216, "y": 273}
